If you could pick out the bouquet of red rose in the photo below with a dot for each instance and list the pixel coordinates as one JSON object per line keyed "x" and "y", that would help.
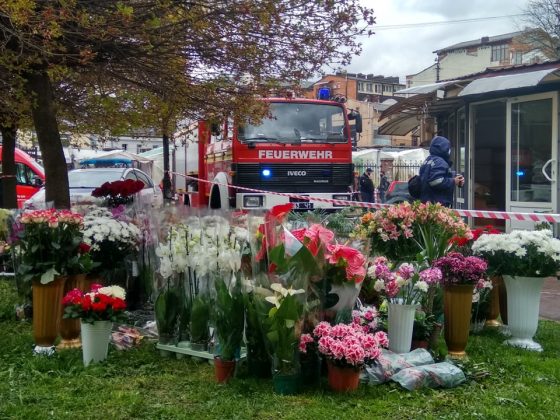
{"x": 118, "y": 192}
{"x": 100, "y": 304}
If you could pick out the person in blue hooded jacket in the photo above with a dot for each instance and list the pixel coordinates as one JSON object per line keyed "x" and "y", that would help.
{"x": 437, "y": 179}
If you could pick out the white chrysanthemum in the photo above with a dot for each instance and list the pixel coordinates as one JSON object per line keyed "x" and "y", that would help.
{"x": 422, "y": 286}
{"x": 113, "y": 291}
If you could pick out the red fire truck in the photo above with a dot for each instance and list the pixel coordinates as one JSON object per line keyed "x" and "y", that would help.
{"x": 303, "y": 147}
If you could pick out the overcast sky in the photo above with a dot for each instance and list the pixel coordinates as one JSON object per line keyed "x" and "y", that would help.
{"x": 398, "y": 52}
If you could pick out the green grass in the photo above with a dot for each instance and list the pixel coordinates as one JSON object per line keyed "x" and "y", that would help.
{"x": 141, "y": 384}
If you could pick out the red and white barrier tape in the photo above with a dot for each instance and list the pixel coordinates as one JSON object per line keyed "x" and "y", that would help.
{"x": 532, "y": 217}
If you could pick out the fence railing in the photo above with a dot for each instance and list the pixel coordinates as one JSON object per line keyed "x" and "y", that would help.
{"x": 394, "y": 171}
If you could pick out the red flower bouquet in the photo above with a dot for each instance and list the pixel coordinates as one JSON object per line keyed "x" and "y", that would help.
{"x": 118, "y": 192}
{"x": 100, "y": 304}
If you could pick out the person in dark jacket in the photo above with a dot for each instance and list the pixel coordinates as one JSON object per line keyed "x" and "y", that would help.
{"x": 438, "y": 180}
{"x": 366, "y": 186}
{"x": 383, "y": 186}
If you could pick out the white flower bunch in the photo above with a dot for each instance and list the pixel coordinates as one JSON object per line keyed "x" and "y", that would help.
{"x": 206, "y": 245}
{"x": 521, "y": 252}
{"x": 113, "y": 291}
{"x": 104, "y": 228}
{"x": 517, "y": 243}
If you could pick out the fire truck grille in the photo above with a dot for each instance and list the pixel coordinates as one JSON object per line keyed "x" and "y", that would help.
{"x": 297, "y": 178}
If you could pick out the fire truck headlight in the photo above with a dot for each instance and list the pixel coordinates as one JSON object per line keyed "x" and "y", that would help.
{"x": 252, "y": 201}
{"x": 266, "y": 173}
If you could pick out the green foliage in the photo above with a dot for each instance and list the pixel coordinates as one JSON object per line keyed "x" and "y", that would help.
{"x": 166, "y": 309}
{"x": 229, "y": 317}
{"x": 280, "y": 332}
{"x": 8, "y": 299}
{"x": 200, "y": 317}
{"x": 256, "y": 346}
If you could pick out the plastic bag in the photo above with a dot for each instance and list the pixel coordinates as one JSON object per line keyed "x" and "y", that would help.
{"x": 444, "y": 375}
{"x": 389, "y": 363}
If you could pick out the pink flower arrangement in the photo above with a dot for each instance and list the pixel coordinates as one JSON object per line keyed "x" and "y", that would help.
{"x": 406, "y": 284}
{"x": 343, "y": 263}
{"x": 458, "y": 269}
{"x": 403, "y": 230}
{"x": 347, "y": 345}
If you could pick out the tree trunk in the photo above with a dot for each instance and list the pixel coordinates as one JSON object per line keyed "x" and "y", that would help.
{"x": 46, "y": 127}
{"x": 167, "y": 193}
{"x": 8, "y": 200}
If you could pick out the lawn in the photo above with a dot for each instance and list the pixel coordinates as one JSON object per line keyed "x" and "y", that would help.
{"x": 141, "y": 384}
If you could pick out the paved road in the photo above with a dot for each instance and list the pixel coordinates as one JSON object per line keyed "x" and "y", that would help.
{"x": 550, "y": 300}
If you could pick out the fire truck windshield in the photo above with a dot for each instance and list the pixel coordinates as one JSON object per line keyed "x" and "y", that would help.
{"x": 293, "y": 122}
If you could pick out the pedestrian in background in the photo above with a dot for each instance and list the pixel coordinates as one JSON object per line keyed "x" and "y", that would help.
{"x": 437, "y": 179}
{"x": 383, "y": 186}
{"x": 367, "y": 188}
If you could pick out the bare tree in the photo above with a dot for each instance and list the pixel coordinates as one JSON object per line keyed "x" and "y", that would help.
{"x": 543, "y": 19}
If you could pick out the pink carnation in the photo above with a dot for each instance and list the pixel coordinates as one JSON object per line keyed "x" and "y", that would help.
{"x": 322, "y": 329}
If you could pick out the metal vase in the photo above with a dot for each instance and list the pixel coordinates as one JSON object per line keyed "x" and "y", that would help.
{"x": 47, "y": 310}
{"x": 70, "y": 328}
{"x": 457, "y": 310}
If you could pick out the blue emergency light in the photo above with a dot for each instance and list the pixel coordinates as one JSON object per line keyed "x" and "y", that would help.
{"x": 266, "y": 173}
{"x": 324, "y": 93}
{"x": 520, "y": 173}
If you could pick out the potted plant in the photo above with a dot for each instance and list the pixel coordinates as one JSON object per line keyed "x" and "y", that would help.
{"x": 229, "y": 320}
{"x": 524, "y": 259}
{"x": 347, "y": 349}
{"x": 167, "y": 307}
{"x": 97, "y": 310}
{"x": 45, "y": 239}
{"x": 459, "y": 276}
{"x": 405, "y": 289}
{"x": 258, "y": 362}
{"x": 282, "y": 326}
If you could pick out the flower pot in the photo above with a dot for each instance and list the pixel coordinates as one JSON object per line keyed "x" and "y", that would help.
{"x": 494, "y": 311}
{"x": 310, "y": 370}
{"x": 47, "y": 311}
{"x": 347, "y": 294}
{"x": 70, "y": 328}
{"x": 523, "y": 294}
{"x": 457, "y": 311}
{"x": 95, "y": 341}
{"x": 286, "y": 384}
{"x": 343, "y": 379}
{"x": 401, "y": 323}
{"x": 199, "y": 346}
{"x": 223, "y": 369}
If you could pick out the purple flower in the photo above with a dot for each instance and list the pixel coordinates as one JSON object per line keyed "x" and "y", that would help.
{"x": 458, "y": 269}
